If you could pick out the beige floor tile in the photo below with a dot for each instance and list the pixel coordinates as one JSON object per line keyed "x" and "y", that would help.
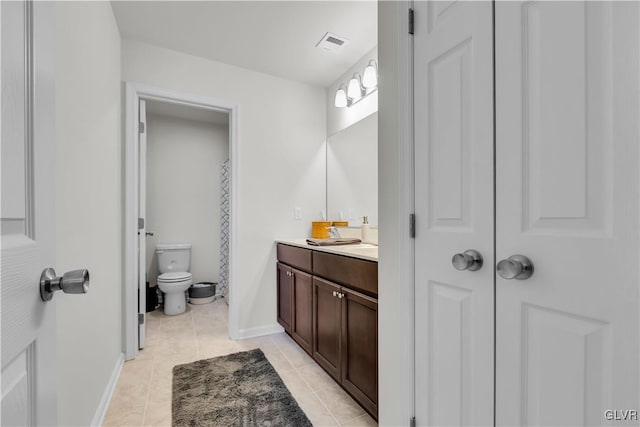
{"x": 123, "y": 414}
{"x": 313, "y": 408}
{"x": 341, "y": 405}
{"x": 361, "y": 421}
{"x": 143, "y": 393}
{"x": 158, "y": 414}
{"x": 160, "y": 389}
{"x": 316, "y": 377}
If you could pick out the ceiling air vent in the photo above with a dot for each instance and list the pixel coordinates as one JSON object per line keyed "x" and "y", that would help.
{"x": 332, "y": 41}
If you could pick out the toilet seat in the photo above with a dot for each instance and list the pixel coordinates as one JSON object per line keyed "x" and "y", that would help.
{"x": 173, "y": 277}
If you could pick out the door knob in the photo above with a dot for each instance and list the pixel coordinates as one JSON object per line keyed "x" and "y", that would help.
{"x": 71, "y": 282}
{"x": 468, "y": 260}
{"x": 515, "y": 267}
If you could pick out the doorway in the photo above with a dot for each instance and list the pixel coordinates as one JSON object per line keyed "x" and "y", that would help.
{"x": 136, "y": 253}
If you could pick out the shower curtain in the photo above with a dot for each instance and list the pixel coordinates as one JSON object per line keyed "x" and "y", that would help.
{"x": 223, "y": 285}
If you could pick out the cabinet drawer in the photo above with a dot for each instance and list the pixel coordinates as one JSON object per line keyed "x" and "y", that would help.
{"x": 295, "y": 257}
{"x": 351, "y": 272}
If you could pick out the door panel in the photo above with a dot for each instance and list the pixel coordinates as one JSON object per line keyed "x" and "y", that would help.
{"x": 27, "y": 206}
{"x": 302, "y": 328}
{"x": 567, "y": 166}
{"x": 453, "y": 104}
{"x": 326, "y": 325}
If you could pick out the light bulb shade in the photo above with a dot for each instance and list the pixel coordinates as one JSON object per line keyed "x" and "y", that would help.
{"x": 370, "y": 76}
{"x": 354, "y": 90}
{"x": 341, "y": 98}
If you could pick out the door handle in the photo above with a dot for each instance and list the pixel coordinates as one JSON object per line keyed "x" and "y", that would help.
{"x": 468, "y": 260}
{"x": 515, "y": 267}
{"x": 147, "y": 233}
{"x": 71, "y": 282}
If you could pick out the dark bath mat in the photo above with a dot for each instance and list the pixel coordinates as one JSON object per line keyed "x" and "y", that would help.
{"x": 240, "y": 389}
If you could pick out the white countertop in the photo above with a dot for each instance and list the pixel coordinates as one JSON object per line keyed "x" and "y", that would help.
{"x": 360, "y": 250}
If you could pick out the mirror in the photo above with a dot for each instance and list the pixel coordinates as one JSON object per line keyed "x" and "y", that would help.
{"x": 352, "y": 173}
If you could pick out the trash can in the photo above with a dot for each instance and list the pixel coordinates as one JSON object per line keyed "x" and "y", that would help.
{"x": 202, "y": 292}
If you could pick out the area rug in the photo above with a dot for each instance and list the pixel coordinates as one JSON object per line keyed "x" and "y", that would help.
{"x": 241, "y": 389}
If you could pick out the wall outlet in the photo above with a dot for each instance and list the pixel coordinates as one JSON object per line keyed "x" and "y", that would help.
{"x": 297, "y": 214}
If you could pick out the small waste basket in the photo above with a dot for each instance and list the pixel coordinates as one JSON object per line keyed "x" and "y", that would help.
{"x": 202, "y": 292}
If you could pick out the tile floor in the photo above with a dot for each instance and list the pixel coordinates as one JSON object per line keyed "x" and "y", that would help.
{"x": 143, "y": 393}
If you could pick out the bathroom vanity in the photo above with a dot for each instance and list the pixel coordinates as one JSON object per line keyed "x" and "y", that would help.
{"x": 328, "y": 303}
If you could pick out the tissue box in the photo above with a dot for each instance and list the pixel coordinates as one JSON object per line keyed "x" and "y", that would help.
{"x": 320, "y": 229}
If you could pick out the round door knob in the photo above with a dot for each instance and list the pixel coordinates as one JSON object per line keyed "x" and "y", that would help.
{"x": 515, "y": 267}
{"x": 71, "y": 282}
{"x": 468, "y": 260}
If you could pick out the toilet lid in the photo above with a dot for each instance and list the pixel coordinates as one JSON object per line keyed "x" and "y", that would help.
{"x": 174, "y": 276}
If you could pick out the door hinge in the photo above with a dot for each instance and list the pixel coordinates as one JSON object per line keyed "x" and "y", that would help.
{"x": 140, "y": 318}
{"x": 411, "y": 21}
{"x": 141, "y": 127}
{"x": 412, "y": 422}
{"x": 140, "y": 223}
{"x": 412, "y": 226}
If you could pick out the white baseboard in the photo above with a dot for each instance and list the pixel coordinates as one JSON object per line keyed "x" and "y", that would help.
{"x": 259, "y": 331}
{"x": 101, "y": 412}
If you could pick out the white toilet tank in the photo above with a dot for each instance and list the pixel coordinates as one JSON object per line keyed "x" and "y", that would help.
{"x": 173, "y": 257}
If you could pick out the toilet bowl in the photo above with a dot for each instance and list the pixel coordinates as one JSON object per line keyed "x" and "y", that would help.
{"x": 174, "y": 262}
{"x": 174, "y": 286}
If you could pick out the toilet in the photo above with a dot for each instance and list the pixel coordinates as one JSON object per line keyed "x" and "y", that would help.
{"x": 174, "y": 262}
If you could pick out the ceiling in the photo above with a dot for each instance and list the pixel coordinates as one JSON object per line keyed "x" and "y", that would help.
{"x": 273, "y": 37}
{"x": 186, "y": 112}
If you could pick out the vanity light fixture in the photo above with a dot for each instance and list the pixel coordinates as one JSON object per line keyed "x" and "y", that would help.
{"x": 341, "y": 97}
{"x": 355, "y": 89}
{"x": 370, "y": 75}
{"x": 358, "y": 87}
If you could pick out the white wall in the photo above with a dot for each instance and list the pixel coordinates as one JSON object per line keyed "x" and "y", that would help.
{"x": 342, "y": 118}
{"x": 88, "y": 204}
{"x": 352, "y": 172}
{"x": 395, "y": 302}
{"x": 281, "y": 159}
{"x": 183, "y": 190}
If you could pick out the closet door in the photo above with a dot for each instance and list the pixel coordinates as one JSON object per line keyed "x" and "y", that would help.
{"x": 567, "y": 198}
{"x": 454, "y": 212}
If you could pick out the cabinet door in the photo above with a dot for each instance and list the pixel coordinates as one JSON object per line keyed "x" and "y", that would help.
{"x": 302, "y": 327}
{"x": 360, "y": 348}
{"x": 326, "y": 326}
{"x": 285, "y": 297}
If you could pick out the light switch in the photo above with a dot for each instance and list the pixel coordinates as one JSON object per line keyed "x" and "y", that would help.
{"x": 297, "y": 214}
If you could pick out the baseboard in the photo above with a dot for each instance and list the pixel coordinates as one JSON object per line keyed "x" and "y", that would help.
{"x": 101, "y": 412}
{"x": 259, "y": 331}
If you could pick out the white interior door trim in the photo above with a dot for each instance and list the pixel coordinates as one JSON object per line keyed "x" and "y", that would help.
{"x": 395, "y": 187}
{"x": 135, "y": 92}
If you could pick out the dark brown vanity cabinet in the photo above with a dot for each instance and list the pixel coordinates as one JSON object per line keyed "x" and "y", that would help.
{"x": 359, "y": 323}
{"x": 285, "y": 293}
{"x": 294, "y": 304}
{"x": 332, "y": 313}
{"x": 327, "y": 312}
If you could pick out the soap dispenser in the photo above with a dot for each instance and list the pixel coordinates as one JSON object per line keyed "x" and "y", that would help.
{"x": 364, "y": 229}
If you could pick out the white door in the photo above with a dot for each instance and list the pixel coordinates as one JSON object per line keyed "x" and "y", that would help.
{"x": 27, "y": 152}
{"x": 567, "y": 198}
{"x": 142, "y": 223}
{"x": 453, "y": 98}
